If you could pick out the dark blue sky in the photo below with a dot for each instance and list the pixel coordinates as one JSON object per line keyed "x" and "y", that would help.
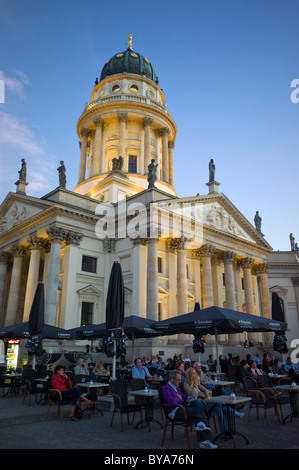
{"x": 225, "y": 67}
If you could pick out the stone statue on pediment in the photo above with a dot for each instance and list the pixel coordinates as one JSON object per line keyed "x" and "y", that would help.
{"x": 211, "y": 171}
{"x": 62, "y": 175}
{"x": 258, "y": 222}
{"x": 117, "y": 163}
{"x": 292, "y": 240}
{"x": 23, "y": 171}
{"x": 152, "y": 174}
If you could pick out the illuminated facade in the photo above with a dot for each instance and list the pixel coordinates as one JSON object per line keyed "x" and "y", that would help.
{"x": 53, "y": 238}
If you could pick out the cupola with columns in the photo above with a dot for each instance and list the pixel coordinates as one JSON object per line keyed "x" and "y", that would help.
{"x": 127, "y": 117}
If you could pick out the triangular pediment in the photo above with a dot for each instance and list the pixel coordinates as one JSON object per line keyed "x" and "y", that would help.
{"x": 16, "y": 209}
{"x": 216, "y": 212}
{"x": 89, "y": 290}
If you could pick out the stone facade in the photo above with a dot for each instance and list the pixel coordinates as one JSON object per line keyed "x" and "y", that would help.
{"x": 220, "y": 259}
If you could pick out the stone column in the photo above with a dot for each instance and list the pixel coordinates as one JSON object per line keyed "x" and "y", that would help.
{"x": 248, "y": 290}
{"x": 206, "y": 252}
{"x": 47, "y": 249}
{"x": 68, "y": 295}
{"x": 18, "y": 252}
{"x": 182, "y": 286}
{"x": 3, "y": 277}
{"x": 228, "y": 259}
{"x": 147, "y": 122}
{"x": 240, "y": 301}
{"x": 33, "y": 272}
{"x": 56, "y": 235}
{"x": 170, "y": 161}
{"x": 152, "y": 279}
{"x": 122, "y": 119}
{"x": 265, "y": 293}
{"x": 165, "y": 167}
{"x": 83, "y": 155}
{"x": 97, "y": 147}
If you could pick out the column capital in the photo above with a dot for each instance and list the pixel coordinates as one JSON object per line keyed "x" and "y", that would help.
{"x": 247, "y": 263}
{"x": 262, "y": 268}
{"x": 139, "y": 241}
{"x": 84, "y": 133}
{"x": 56, "y": 234}
{"x": 171, "y": 144}
{"x": 216, "y": 259}
{"x": 147, "y": 121}
{"x": 109, "y": 245}
{"x": 122, "y": 117}
{"x": 36, "y": 242}
{"x": 99, "y": 122}
{"x": 18, "y": 251}
{"x": 177, "y": 243}
{"x": 73, "y": 238}
{"x": 164, "y": 131}
{"x": 206, "y": 250}
{"x": 295, "y": 281}
{"x": 228, "y": 257}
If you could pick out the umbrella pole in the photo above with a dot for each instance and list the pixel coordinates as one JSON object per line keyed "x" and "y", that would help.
{"x": 33, "y": 361}
{"x": 114, "y": 361}
{"x": 217, "y": 355}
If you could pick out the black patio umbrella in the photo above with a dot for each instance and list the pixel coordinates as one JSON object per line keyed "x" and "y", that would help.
{"x": 217, "y": 320}
{"x": 37, "y": 312}
{"x": 21, "y": 331}
{"x": 89, "y": 332}
{"x": 113, "y": 343}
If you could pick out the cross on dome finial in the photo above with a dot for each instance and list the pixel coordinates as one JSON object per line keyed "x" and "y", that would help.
{"x": 129, "y": 43}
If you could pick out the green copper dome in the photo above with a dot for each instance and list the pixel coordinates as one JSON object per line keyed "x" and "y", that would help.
{"x": 130, "y": 62}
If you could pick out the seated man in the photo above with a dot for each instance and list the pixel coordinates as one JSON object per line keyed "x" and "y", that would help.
{"x": 291, "y": 369}
{"x": 81, "y": 369}
{"x": 172, "y": 395}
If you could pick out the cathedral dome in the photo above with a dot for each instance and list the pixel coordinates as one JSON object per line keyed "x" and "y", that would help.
{"x": 129, "y": 61}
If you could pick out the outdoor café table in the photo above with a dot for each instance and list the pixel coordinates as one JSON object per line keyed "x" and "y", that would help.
{"x": 218, "y": 385}
{"x": 150, "y": 380}
{"x": 277, "y": 377}
{"x": 229, "y": 404}
{"x": 293, "y": 394}
{"x": 42, "y": 380}
{"x": 13, "y": 377}
{"x": 148, "y": 396}
{"x": 92, "y": 389}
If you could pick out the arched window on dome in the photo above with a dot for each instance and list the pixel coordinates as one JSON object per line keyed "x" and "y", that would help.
{"x": 134, "y": 88}
{"x": 115, "y": 88}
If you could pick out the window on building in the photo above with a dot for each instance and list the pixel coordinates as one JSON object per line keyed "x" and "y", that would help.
{"x": 115, "y": 88}
{"x": 86, "y": 313}
{"x": 242, "y": 283}
{"x": 187, "y": 270}
{"x": 89, "y": 264}
{"x": 159, "y": 265}
{"x": 134, "y": 88}
{"x": 132, "y": 164}
{"x": 160, "y": 311}
{"x": 223, "y": 279}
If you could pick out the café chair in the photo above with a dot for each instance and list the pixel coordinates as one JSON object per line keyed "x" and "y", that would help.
{"x": 119, "y": 393}
{"x": 170, "y": 422}
{"x": 60, "y": 402}
{"x": 266, "y": 383}
{"x": 264, "y": 398}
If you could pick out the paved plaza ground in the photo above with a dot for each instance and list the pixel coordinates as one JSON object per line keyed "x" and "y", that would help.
{"x": 25, "y": 427}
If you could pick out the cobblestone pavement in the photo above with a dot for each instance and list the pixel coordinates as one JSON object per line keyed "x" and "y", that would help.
{"x": 25, "y": 427}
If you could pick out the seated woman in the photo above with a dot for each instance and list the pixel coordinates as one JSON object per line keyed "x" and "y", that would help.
{"x": 193, "y": 388}
{"x": 99, "y": 369}
{"x": 60, "y": 381}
